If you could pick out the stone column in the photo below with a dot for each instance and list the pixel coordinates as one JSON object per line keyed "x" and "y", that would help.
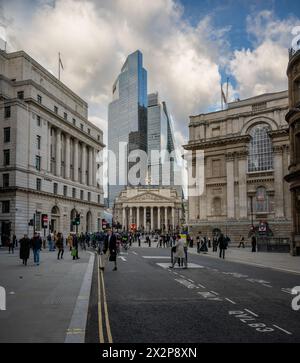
{"x": 95, "y": 164}
{"x": 67, "y": 157}
{"x": 166, "y": 218}
{"x": 243, "y": 187}
{"x": 173, "y": 218}
{"x": 83, "y": 164}
{"x": 75, "y": 166}
{"x": 152, "y": 220}
{"x": 137, "y": 217}
{"x": 124, "y": 217}
{"x": 58, "y": 152}
{"x": 158, "y": 217}
{"x": 278, "y": 182}
{"x": 130, "y": 215}
{"x": 145, "y": 220}
{"x": 49, "y": 148}
{"x": 90, "y": 171}
{"x": 230, "y": 185}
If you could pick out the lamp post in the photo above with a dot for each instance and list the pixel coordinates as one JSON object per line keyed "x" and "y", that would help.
{"x": 251, "y": 206}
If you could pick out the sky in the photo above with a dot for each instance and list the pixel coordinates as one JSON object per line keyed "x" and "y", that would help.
{"x": 190, "y": 47}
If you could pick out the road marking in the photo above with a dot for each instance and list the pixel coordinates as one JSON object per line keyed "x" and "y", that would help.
{"x": 134, "y": 253}
{"x": 203, "y": 287}
{"x": 108, "y": 330}
{"x": 190, "y": 265}
{"x": 285, "y": 331}
{"x": 187, "y": 284}
{"x": 191, "y": 281}
{"x": 232, "y": 302}
{"x": 215, "y": 293}
{"x": 122, "y": 258}
{"x": 287, "y": 290}
{"x": 100, "y": 320}
{"x": 251, "y": 312}
{"x": 157, "y": 257}
{"x": 267, "y": 286}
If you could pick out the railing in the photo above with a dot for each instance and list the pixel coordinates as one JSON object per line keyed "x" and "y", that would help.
{"x": 273, "y": 244}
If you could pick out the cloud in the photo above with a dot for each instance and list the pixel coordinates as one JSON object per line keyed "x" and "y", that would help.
{"x": 95, "y": 37}
{"x": 263, "y": 68}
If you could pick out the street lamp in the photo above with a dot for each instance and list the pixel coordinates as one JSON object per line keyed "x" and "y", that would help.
{"x": 251, "y": 206}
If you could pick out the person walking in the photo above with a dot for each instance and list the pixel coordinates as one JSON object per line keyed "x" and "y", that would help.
{"x": 110, "y": 250}
{"x": 253, "y": 243}
{"x": 24, "y": 249}
{"x": 15, "y": 241}
{"x": 222, "y": 242}
{"x": 70, "y": 242}
{"x": 11, "y": 246}
{"x": 198, "y": 242}
{"x": 36, "y": 243}
{"x": 75, "y": 247}
{"x": 60, "y": 246}
{"x": 180, "y": 252}
{"x": 242, "y": 242}
{"x": 215, "y": 243}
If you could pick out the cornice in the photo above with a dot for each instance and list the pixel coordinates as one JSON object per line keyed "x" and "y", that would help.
{"x": 220, "y": 141}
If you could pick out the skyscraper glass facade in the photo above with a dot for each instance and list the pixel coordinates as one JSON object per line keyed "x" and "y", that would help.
{"x": 127, "y": 120}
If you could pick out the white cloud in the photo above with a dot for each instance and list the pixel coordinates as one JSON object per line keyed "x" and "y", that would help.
{"x": 94, "y": 38}
{"x": 263, "y": 68}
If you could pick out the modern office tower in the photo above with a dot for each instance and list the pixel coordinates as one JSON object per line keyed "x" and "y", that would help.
{"x": 49, "y": 147}
{"x": 127, "y": 122}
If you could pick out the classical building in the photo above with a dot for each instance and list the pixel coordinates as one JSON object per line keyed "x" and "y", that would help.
{"x": 246, "y": 155}
{"x": 127, "y": 121}
{"x": 48, "y": 151}
{"x": 149, "y": 209}
{"x": 293, "y": 119}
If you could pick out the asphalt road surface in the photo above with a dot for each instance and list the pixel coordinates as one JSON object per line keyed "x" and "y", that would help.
{"x": 213, "y": 300}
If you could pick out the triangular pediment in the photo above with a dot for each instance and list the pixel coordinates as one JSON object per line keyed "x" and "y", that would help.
{"x": 148, "y": 197}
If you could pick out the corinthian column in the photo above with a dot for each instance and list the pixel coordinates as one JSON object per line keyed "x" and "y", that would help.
{"x": 58, "y": 152}
{"x": 75, "y": 166}
{"x": 67, "y": 157}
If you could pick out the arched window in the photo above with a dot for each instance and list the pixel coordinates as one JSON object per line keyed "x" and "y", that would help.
{"x": 261, "y": 201}
{"x": 260, "y": 149}
{"x": 217, "y": 207}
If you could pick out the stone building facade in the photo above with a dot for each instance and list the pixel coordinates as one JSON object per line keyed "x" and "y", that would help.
{"x": 48, "y": 151}
{"x": 246, "y": 155}
{"x": 293, "y": 119}
{"x": 149, "y": 209}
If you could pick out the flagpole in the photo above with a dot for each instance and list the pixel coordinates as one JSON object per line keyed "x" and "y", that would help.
{"x": 59, "y": 66}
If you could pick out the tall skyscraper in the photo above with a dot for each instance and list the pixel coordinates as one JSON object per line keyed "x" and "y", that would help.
{"x": 127, "y": 120}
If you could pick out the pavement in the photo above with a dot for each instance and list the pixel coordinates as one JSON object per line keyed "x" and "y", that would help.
{"x": 41, "y": 300}
{"x": 213, "y": 301}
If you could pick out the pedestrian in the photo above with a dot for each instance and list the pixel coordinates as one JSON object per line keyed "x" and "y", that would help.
{"x": 242, "y": 242}
{"x": 180, "y": 252}
{"x": 215, "y": 243}
{"x": 60, "y": 246}
{"x": 253, "y": 243}
{"x": 11, "y": 246}
{"x": 198, "y": 242}
{"x": 70, "y": 241}
{"x": 74, "y": 251}
{"x": 36, "y": 243}
{"x": 110, "y": 250}
{"x": 24, "y": 249}
{"x": 15, "y": 241}
{"x": 222, "y": 242}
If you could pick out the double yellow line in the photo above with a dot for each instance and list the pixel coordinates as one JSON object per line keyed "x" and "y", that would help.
{"x": 102, "y": 302}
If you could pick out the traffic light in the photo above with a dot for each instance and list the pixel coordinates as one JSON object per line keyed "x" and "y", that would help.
{"x": 44, "y": 220}
{"x": 77, "y": 220}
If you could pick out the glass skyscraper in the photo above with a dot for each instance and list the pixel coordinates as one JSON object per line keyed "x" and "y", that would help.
{"x": 127, "y": 120}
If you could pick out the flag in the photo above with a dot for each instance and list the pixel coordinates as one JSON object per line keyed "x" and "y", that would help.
{"x": 60, "y": 62}
{"x": 223, "y": 95}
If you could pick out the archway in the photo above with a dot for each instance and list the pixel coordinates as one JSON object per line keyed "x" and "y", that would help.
{"x": 55, "y": 219}
{"x": 89, "y": 222}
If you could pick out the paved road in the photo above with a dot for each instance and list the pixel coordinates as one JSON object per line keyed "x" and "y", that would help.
{"x": 212, "y": 301}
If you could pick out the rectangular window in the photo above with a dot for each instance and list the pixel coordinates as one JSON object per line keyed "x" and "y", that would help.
{"x": 38, "y": 162}
{"x": 74, "y": 192}
{"x": 56, "y": 109}
{"x": 55, "y": 187}
{"x": 38, "y": 142}
{"x": 74, "y": 122}
{"x": 38, "y": 184}
{"x": 20, "y": 95}
{"x": 98, "y": 137}
{"x": 6, "y": 157}
{"x": 39, "y": 99}
{"x": 5, "y": 206}
{"x": 65, "y": 190}
{"x": 89, "y": 131}
{"x": 6, "y": 134}
{"x": 81, "y": 195}
{"x": 99, "y": 199}
{"x": 216, "y": 165}
{"x": 89, "y": 196}
{"x": 38, "y": 120}
{"x": 7, "y": 111}
{"x": 81, "y": 127}
{"x": 5, "y": 178}
{"x": 65, "y": 116}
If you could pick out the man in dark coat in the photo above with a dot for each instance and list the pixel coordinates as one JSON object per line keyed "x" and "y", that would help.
{"x": 222, "y": 242}
{"x": 24, "y": 249}
{"x": 110, "y": 250}
{"x": 253, "y": 243}
{"x": 36, "y": 243}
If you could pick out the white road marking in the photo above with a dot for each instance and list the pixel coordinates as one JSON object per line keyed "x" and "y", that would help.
{"x": 158, "y": 257}
{"x": 203, "y": 287}
{"x": 267, "y": 286}
{"x": 134, "y": 253}
{"x": 215, "y": 292}
{"x": 251, "y": 312}
{"x": 122, "y": 258}
{"x": 285, "y": 331}
{"x": 187, "y": 284}
{"x": 232, "y": 302}
{"x": 287, "y": 290}
{"x": 191, "y": 281}
{"x": 190, "y": 265}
